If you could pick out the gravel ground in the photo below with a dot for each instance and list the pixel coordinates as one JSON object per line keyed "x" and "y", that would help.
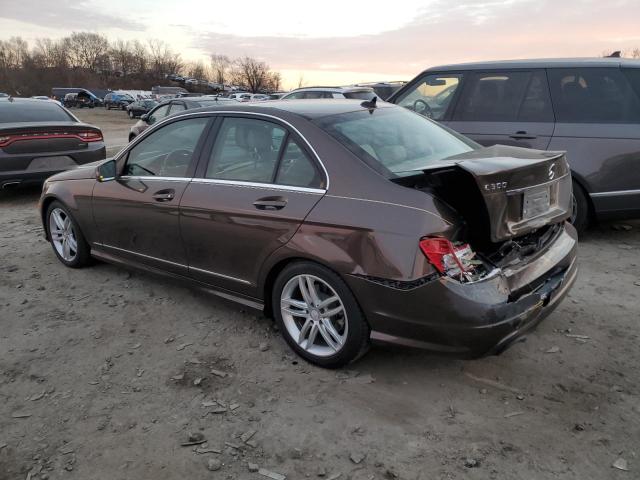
{"x": 105, "y": 373}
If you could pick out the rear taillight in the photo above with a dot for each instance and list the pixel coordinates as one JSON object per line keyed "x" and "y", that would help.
{"x": 453, "y": 260}
{"x": 85, "y": 136}
{"x": 90, "y": 136}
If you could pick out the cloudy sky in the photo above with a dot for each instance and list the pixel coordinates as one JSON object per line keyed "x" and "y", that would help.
{"x": 336, "y": 41}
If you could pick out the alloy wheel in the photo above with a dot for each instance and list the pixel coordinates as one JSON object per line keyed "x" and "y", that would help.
{"x": 314, "y": 315}
{"x": 63, "y": 235}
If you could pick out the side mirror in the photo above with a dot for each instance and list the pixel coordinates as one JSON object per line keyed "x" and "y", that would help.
{"x": 106, "y": 171}
{"x": 144, "y": 117}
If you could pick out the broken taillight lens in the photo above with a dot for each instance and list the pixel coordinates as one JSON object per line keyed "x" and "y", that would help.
{"x": 455, "y": 260}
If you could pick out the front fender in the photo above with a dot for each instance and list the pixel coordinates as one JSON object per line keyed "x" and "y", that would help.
{"x": 76, "y": 195}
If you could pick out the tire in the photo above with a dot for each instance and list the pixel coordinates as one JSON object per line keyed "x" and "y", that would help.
{"x": 348, "y": 331}
{"x": 82, "y": 256}
{"x": 580, "y": 216}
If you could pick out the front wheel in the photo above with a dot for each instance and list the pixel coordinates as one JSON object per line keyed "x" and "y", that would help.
{"x": 319, "y": 316}
{"x": 65, "y": 236}
{"x": 580, "y": 209}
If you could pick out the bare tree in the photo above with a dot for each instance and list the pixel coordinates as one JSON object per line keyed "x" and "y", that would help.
{"x": 196, "y": 70}
{"x": 301, "y": 81}
{"x": 88, "y": 50}
{"x": 163, "y": 59}
{"x": 251, "y": 73}
{"x": 220, "y": 66}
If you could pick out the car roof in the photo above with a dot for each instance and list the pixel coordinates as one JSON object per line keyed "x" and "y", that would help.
{"x": 540, "y": 63}
{"x": 309, "y": 109}
{"x": 333, "y": 89}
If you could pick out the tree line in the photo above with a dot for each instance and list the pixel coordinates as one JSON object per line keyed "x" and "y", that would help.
{"x": 91, "y": 60}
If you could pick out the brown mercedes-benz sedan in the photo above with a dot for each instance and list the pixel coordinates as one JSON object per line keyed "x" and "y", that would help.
{"x": 347, "y": 221}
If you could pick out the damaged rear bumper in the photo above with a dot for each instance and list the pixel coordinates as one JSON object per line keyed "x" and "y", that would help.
{"x": 472, "y": 319}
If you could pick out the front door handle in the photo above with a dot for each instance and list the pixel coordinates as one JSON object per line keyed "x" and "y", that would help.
{"x": 522, "y": 135}
{"x": 270, "y": 203}
{"x": 164, "y": 195}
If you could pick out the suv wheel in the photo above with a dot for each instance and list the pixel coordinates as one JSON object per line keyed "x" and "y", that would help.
{"x": 319, "y": 316}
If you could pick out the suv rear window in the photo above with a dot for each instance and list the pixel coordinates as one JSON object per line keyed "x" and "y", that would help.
{"x": 593, "y": 95}
{"x": 36, "y": 111}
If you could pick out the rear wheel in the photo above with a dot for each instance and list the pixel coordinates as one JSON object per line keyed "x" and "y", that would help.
{"x": 67, "y": 240}
{"x": 319, "y": 316}
{"x": 580, "y": 209}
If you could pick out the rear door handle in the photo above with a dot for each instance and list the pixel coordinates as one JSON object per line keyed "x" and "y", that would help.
{"x": 164, "y": 195}
{"x": 522, "y": 135}
{"x": 270, "y": 203}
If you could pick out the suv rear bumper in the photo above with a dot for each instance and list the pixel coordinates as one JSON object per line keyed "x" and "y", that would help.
{"x": 471, "y": 319}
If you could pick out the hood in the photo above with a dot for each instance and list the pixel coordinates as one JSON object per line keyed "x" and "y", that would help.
{"x": 87, "y": 170}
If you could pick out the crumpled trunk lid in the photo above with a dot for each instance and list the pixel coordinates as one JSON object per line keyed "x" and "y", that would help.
{"x": 504, "y": 192}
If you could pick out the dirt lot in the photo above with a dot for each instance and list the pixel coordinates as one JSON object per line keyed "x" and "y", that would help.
{"x": 104, "y": 373}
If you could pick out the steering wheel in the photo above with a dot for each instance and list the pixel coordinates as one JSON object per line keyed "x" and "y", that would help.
{"x": 177, "y": 158}
{"x": 423, "y": 109}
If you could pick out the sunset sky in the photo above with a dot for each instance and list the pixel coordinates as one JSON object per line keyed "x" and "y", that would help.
{"x": 338, "y": 42}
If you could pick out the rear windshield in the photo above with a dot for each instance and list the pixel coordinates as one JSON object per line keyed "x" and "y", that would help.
{"x": 399, "y": 140}
{"x": 35, "y": 111}
{"x": 360, "y": 95}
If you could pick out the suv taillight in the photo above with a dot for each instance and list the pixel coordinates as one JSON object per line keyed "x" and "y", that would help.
{"x": 447, "y": 258}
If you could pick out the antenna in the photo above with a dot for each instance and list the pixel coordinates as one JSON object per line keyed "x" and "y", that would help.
{"x": 370, "y": 104}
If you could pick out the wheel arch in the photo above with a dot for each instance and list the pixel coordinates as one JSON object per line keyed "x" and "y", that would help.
{"x": 582, "y": 183}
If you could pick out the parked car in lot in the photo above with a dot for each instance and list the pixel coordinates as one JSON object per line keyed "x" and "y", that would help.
{"x": 117, "y": 100}
{"x": 360, "y": 93}
{"x": 170, "y": 107}
{"x": 240, "y": 96}
{"x": 383, "y": 89}
{"x": 140, "y": 107}
{"x": 440, "y": 244}
{"x": 588, "y": 107}
{"x": 79, "y": 100}
{"x": 38, "y": 139}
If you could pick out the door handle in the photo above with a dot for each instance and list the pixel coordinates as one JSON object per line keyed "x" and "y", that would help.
{"x": 522, "y": 135}
{"x": 164, "y": 195}
{"x": 270, "y": 203}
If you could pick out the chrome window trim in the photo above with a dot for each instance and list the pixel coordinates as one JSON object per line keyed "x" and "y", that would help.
{"x": 171, "y": 118}
{"x": 153, "y": 177}
{"x": 615, "y": 193}
{"x": 269, "y": 186}
{"x": 228, "y": 277}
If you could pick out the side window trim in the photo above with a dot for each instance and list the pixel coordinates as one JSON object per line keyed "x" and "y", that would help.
{"x": 291, "y": 132}
{"x": 283, "y": 147}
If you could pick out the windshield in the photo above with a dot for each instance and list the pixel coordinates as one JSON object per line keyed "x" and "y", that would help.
{"x": 33, "y": 111}
{"x": 395, "y": 138}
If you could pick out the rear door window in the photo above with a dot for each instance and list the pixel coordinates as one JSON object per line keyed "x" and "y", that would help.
{"x": 593, "y": 95}
{"x": 431, "y": 96}
{"x": 246, "y": 150}
{"x": 297, "y": 169}
{"x": 509, "y": 96}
